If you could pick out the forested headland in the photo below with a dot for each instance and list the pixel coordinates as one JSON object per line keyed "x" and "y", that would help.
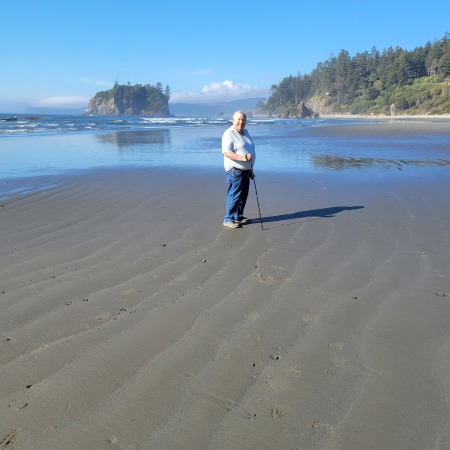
{"x": 391, "y": 82}
{"x": 131, "y": 100}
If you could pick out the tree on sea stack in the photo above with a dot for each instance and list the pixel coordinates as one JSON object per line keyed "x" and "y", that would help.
{"x": 128, "y": 100}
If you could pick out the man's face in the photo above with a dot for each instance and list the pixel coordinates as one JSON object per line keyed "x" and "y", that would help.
{"x": 239, "y": 122}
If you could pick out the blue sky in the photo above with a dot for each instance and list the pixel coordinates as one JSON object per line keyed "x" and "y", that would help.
{"x": 60, "y": 53}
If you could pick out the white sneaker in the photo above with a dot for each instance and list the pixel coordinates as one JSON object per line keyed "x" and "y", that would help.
{"x": 243, "y": 220}
{"x": 231, "y": 224}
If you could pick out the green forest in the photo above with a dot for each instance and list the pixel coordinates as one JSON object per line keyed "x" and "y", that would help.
{"x": 140, "y": 99}
{"x": 391, "y": 82}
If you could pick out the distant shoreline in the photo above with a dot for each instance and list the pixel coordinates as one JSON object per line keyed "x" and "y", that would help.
{"x": 385, "y": 117}
{"x": 15, "y": 116}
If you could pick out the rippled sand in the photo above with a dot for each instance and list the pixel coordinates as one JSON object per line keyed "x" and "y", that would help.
{"x": 132, "y": 319}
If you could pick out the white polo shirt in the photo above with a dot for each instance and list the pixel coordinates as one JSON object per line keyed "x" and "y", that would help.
{"x": 232, "y": 141}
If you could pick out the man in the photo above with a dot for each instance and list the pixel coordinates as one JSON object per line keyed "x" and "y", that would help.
{"x": 238, "y": 152}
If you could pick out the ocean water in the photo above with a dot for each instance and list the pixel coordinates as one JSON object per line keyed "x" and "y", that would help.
{"x": 50, "y": 144}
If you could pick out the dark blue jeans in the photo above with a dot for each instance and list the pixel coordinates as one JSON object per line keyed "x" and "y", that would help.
{"x": 238, "y": 183}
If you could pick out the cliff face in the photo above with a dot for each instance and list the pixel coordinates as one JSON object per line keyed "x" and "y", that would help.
{"x": 301, "y": 111}
{"x": 322, "y": 105}
{"x": 103, "y": 107}
{"x": 130, "y": 101}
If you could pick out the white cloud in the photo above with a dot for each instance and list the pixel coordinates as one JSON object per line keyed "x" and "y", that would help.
{"x": 219, "y": 92}
{"x": 97, "y": 82}
{"x": 62, "y": 102}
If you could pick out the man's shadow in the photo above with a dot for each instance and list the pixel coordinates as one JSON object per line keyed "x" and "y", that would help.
{"x": 312, "y": 214}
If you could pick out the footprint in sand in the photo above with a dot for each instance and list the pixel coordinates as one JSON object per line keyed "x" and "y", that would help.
{"x": 269, "y": 279}
{"x": 336, "y": 345}
{"x": 277, "y": 267}
{"x": 113, "y": 440}
{"x": 337, "y": 360}
{"x": 278, "y": 413}
{"x": 244, "y": 292}
{"x": 279, "y": 383}
{"x": 100, "y": 317}
{"x": 323, "y": 428}
{"x": 221, "y": 354}
{"x": 294, "y": 371}
{"x": 10, "y": 439}
{"x": 310, "y": 317}
{"x": 86, "y": 324}
{"x": 127, "y": 291}
{"x": 251, "y": 317}
{"x": 214, "y": 343}
{"x": 19, "y": 403}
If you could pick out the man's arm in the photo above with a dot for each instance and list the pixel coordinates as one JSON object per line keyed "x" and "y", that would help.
{"x": 236, "y": 157}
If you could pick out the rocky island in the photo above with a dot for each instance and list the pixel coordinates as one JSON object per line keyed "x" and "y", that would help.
{"x": 128, "y": 100}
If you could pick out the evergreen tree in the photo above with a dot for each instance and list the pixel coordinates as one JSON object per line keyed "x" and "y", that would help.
{"x": 167, "y": 92}
{"x": 372, "y": 81}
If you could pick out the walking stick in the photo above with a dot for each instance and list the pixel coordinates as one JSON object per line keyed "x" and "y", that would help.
{"x": 256, "y": 192}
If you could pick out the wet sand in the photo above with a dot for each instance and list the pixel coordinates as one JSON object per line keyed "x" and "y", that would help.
{"x": 389, "y": 127}
{"x": 132, "y": 319}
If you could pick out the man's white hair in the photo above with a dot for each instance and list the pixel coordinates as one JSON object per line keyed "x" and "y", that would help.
{"x": 241, "y": 113}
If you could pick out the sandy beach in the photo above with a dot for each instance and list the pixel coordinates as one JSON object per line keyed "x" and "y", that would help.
{"x": 132, "y": 319}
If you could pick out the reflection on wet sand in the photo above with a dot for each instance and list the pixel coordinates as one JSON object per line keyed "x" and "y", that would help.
{"x": 342, "y": 163}
{"x": 135, "y": 138}
{"x": 389, "y": 128}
